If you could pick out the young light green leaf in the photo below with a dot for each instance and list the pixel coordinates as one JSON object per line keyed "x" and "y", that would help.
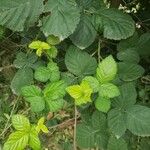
{"x": 107, "y": 70}
{"x": 81, "y": 93}
{"x": 34, "y": 141}
{"x": 41, "y": 126}
{"x": 20, "y": 123}
{"x": 109, "y": 90}
{"x": 93, "y": 82}
{"x": 17, "y": 141}
{"x": 103, "y": 104}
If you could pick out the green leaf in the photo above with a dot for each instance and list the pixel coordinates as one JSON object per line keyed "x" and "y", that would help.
{"x": 55, "y": 76}
{"x": 54, "y": 105}
{"x": 55, "y": 90}
{"x": 52, "y": 40}
{"x": 80, "y": 63}
{"x": 20, "y": 123}
{"x": 81, "y": 93}
{"x": 107, "y": 70}
{"x": 117, "y": 117}
{"x": 52, "y": 52}
{"x": 117, "y": 144}
{"x": 61, "y": 10}
{"x": 103, "y": 104}
{"x": 31, "y": 91}
{"x": 138, "y": 121}
{"x": 93, "y": 133}
{"x": 34, "y": 141}
{"x": 108, "y": 90}
{"x": 16, "y": 15}
{"x": 128, "y": 55}
{"x": 127, "y": 97}
{"x": 24, "y": 60}
{"x": 116, "y": 24}
{"x": 93, "y": 82}
{"x": 128, "y": 43}
{"x": 33, "y": 95}
{"x": 22, "y": 78}
{"x": 129, "y": 71}
{"x": 85, "y": 136}
{"x": 117, "y": 122}
{"x": 17, "y": 141}
{"x": 85, "y": 32}
{"x": 42, "y": 74}
{"x": 142, "y": 46}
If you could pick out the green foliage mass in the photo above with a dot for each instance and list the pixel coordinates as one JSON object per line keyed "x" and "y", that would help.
{"x": 81, "y": 64}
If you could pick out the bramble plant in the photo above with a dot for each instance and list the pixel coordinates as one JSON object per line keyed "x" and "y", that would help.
{"x": 80, "y": 74}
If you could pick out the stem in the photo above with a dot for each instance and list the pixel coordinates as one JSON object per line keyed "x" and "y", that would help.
{"x": 75, "y": 128}
{"x": 98, "y": 50}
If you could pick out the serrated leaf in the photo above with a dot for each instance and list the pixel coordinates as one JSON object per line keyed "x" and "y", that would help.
{"x": 142, "y": 46}
{"x": 107, "y": 70}
{"x": 81, "y": 93}
{"x": 117, "y": 122}
{"x": 34, "y": 141}
{"x": 128, "y": 55}
{"x": 93, "y": 82}
{"x": 16, "y": 15}
{"x": 129, "y": 71}
{"x": 52, "y": 40}
{"x": 31, "y": 91}
{"x": 108, "y": 90}
{"x": 24, "y": 60}
{"x": 138, "y": 121}
{"x": 85, "y": 32}
{"x": 55, "y": 105}
{"x": 41, "y": 126}
{"x": 94, "y": 133}
{"x": 85, "y": 136}
{"x": 33, "y": 95}
{"x": 80, "y": 63}
{"x": 22, "y": 78}
{"x": 60, "y": 10}
{"x": 128, "y": 43}
{"x": 42, "y": 74}
{"x": 117, "y": 144}
{"x": 55, "y": 76}
{"x": 55, "y": 90}
{"x": 103, "y": 104}
{"x": 20, "y": 123}
{"x": 116, "y": 24}
{"x": 17, "y": 141}
{"x": 127, "y": 96}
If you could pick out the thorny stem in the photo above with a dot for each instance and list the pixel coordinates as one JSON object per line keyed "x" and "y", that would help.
{"x": 98, "y": 50}
{"x": 75, "y": 128}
